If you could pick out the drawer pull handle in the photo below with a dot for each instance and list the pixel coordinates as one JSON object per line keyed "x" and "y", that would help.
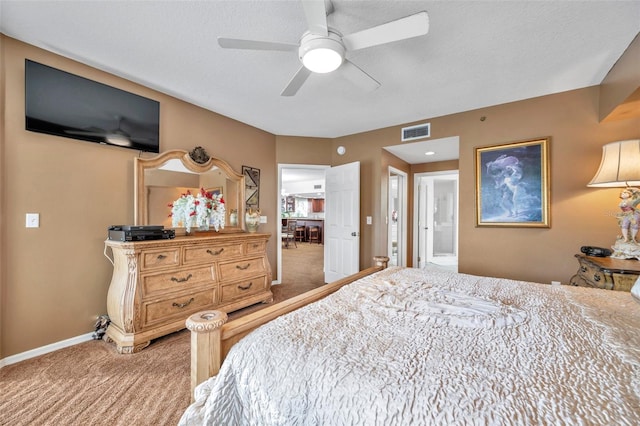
{"x": 256, "y": 245}
{"x": 583, "y": 269}
{"x": 182, "y": 305}
{"x": 161, "y": 257}
{"x": 215, "y": 253}
{"x": 181, "y": 280}
{"x": 596, "y": 277}
{"x": 245, "y": 287}
{"x": 243, "y": 268}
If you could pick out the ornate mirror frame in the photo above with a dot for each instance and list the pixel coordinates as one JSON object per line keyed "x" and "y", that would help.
{"x": 142, "y": 189}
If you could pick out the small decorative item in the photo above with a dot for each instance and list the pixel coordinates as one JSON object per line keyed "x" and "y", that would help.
{"x": 512, "y": 184}
{"x": 199, "y": 155}
{"x": 252, "y": 220}
{"x": 201, "y": 211}
{"x": 626, "y": 245}
{"x": 233, "y": 217}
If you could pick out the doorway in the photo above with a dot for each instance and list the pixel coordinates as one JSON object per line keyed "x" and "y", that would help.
{"x": 301, "y": 190}
{"x": 397, "y": 218}
{"x": 436, "y": 219}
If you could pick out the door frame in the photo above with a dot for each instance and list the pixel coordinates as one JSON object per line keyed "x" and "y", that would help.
{"x": 402, "y": 217}
{"x": 416, "y": 216}
{"x": 281, "y": 166}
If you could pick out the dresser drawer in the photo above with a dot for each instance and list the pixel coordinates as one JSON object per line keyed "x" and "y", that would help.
{"x": 211, "y": 253}
{"x": 177, "y": 307}
{"x": 155, "y": 259}
{"x": 153, "y": 284}
{"x": 239, "y": 269}
{"x": 254, "y": 247}
{"x": 244, "y": 288}
{"x": 623, "y": 282}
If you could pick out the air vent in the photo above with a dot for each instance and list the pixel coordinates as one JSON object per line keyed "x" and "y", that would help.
{"x": 317, "y": 186}
{"x": 416, "y": 132}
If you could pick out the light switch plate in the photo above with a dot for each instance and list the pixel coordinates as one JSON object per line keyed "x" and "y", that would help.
{"x": 369, "y": 220}
{"x": 33, "y": 220}
{"x": 263, "y": 219}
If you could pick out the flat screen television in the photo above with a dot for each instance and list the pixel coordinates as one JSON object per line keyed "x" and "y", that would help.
{"x": 63, "y": 104}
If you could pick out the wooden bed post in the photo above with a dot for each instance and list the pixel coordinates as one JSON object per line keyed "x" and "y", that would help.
{"x": 206, "y": 356}
{"x": 381, "y": 261}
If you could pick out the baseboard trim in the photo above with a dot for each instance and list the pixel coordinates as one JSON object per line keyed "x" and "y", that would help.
{"x": 45, "y": 349}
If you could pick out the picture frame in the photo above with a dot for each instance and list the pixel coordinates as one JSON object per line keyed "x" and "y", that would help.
{"x": 216, "y": 190}
{"x": 512, "y": 184}
{"x": 252, "y": 187}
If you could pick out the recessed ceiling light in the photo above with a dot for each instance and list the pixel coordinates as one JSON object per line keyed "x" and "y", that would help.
{"x": 429, "y": 153}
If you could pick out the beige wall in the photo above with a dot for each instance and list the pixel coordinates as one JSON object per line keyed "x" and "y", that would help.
{"x": 620, "y": 89}
{"x": 54, "y": 279}
{"x": 579, "y": 215}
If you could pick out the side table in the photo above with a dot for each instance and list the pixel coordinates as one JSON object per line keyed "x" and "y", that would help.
{"x": 606, "y": 272}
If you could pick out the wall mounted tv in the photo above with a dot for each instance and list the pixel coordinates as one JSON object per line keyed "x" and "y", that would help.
{"x": 63, "y": 104}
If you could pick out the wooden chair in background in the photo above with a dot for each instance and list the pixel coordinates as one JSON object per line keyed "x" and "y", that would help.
{"x": 289, "y": 233}
{"x": 314, "y": 234}
{"x": 301, "y": 233}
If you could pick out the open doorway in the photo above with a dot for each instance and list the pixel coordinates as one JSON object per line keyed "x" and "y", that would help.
{"x": 300, "y": 257}
{"x": 397, "y": 218}
{"x": 436, "y": 220}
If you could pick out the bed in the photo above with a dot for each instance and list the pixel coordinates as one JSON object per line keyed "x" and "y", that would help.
{"x": 409, "y": 346}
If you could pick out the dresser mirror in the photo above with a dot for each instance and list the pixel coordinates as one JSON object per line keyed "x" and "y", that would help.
{"x": 160, "y": 180}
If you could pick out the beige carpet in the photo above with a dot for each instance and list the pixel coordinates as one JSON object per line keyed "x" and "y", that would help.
{"x": 91, "y": 384}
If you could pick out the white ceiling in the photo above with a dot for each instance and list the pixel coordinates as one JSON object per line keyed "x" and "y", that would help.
{"x": 476, "y": 54}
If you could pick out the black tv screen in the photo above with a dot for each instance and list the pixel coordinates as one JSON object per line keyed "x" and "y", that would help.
{"x": 63, "y": 104}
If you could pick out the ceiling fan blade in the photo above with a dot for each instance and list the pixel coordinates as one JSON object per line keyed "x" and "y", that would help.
{"x": 358, "y": 76}
{"x": 401, "y": 29}
{"x": 236, "y": 43}
{"x": 296, "y": 82}
{"x": 316, "y": 13}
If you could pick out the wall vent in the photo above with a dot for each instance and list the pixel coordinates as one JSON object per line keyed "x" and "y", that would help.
{"x": 418, "y": 131}
{"x": 317, "y": 186}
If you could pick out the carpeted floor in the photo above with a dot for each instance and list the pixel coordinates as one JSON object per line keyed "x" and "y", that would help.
{"x": 91, "y": 384}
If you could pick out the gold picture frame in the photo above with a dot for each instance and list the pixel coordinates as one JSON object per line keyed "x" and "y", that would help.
{"x": 512, "y": 184}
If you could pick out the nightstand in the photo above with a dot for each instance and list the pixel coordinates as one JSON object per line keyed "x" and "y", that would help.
{"x": 606, "y": 272}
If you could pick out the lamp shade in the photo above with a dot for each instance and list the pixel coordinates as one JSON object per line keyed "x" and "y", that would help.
{"x": 620, "y": 165}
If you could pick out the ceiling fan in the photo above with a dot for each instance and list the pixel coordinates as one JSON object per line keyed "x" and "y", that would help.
{"x": 323, "y": 49}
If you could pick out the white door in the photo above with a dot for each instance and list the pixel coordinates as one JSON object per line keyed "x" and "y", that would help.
{"x": 436, "y": 227}
{"x": 342, "y": 221}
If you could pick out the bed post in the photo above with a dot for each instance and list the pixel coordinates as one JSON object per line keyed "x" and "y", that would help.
{"x": 382, "y": 261}
{"x": 206, "y": 356}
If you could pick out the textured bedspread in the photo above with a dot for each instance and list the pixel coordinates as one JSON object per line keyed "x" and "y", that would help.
{"x": 412, "y": 347}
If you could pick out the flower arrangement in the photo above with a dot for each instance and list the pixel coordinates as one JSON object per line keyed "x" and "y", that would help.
{"x": 201, "y": 210}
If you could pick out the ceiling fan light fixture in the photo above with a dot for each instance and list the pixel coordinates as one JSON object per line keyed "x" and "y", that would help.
{"x": 118, "y": 139}
{"x": 321, "y": 54}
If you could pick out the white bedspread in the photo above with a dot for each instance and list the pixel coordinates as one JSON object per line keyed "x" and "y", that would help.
{"x": 411, "y": 347}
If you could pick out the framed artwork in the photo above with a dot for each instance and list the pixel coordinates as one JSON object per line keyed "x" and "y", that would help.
{"x": 252, "y": 187}
{"x": 216, "y": 190}
{"x": 512, "y": 184}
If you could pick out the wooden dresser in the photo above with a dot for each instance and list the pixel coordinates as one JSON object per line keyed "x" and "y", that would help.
{"x": 156, "y": 285}
{"x": 606, "y": 272}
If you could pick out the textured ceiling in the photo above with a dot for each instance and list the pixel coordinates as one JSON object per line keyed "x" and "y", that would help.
{"x": 476, "y": 54}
